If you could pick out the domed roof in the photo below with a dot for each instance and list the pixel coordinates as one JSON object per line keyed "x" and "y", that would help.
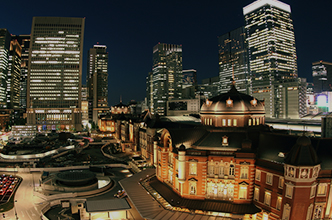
{"x": 233, "y": 102}
{"x": 302, "y": 153}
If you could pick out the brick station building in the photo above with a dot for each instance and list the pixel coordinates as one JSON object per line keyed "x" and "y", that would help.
{"x": 235, "y": 166}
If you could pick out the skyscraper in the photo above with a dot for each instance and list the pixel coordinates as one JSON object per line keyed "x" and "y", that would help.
{"x": 55, "y": 73}
{"x": 166, "y": 75}
{"x": 97, "y": 82}
{"x": 271, "y": 49}
{"x": 233, "y": 61}
{"x": 24, "y": 41}
{"x": 189, "y": 78}
{"x": 14, "y": 75}
{"x": 322, "y": 76}
{"x": 4, "y": 59}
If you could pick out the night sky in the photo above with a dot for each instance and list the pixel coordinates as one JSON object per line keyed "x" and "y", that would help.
{"x": 130, "y": 29}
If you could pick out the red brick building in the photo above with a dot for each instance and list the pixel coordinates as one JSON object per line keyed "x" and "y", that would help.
{"x": 244, "y": 168}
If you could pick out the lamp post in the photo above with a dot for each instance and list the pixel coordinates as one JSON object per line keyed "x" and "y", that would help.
{"x": 15, "y": 210}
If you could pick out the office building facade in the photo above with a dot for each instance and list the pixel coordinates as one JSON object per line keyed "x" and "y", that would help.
{"x": 24, "y": 41}
{"x": 233, "y": 61}
{"x": 166, "y": 76}
{"x": 291, "y": 99}
{"x": 189, "y": 78}
{"x": 271, "y": 49}
{"x": 322, "y": 76}
{"x": 97, "y": 82}
{"x": 14, "y": 75}
{"x": 55, "y": 73}
{"x": 4, "y": 61}
{"x": 85, "y": 107}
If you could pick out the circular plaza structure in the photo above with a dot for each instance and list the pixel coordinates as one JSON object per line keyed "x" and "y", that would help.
{"x": 76, "y": 181}
{"x": 76, "y": 178}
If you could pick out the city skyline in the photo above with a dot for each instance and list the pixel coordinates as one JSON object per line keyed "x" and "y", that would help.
{"x": 130, "y": 29}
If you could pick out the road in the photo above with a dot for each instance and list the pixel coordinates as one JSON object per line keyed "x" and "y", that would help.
{"x": 27, "y": 205}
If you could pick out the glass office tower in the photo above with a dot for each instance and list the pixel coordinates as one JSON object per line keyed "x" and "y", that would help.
{"x": 166, "y": 75}
{"x": 14, "y": 75}
{"x": 97, "y": 82}
{"x": 4, "y": 60}
{"x": 24, "y": 41}
{"x": 233, "y": 61}
{"x": 271, "y": 49}
{"x": 55, "y": 73}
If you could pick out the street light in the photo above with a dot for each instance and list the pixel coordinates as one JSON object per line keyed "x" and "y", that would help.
{"x": 15, "y": 210}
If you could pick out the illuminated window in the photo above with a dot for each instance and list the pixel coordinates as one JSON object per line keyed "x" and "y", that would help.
{"x": 211, "y": 169}
{"x": 244, "y": 172}
{"x": 265, "y": 216}
{"x": 312, "y": 191}
{"x": 258, "y": 175}
{"x": 281, "y": 182}
{"x": 269, "y": 178}
{"x": 256, "y": 194}
{"x": 229, "y": 122}
{"x": 234, "y": 122}
{"x": 278, "y": 205}
{"x": 321, "y": 189}
{"x": 193, "y": 168}
{"x": 267, "y": 198}
{"x": 253, "y": 121}
{"x": 286, "y": 212}
{"x": 224, "y": 141}
{"x": 318, "y": 211}
{"x": 249, "y": 122}
{"x": 170, "y": 176}
{"x": 257, "y": 121}
{"x": 289, "y": 191}
{"x": 192, "y": 186}
{"x": 224, "y": 122}
{"x": 243, "y": 192}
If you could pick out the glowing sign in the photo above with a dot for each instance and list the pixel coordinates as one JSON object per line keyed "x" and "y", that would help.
{"x": 322, "y": 100}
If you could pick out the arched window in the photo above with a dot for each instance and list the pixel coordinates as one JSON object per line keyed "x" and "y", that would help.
{"x": 192, "y": 186}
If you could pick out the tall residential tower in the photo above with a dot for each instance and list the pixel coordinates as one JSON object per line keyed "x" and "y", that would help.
{"x": 55, "y": 73}
{"x": 271, "y": 49}
{"x": 166, "y": 76}
{"x": 97, "y": 82}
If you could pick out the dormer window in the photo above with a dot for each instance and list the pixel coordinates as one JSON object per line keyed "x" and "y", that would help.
{"x": 208, "y": 103}
{"x": 224, "y": 141}
{"x": 253, "y": 102}
{"x": 229, "y": 102}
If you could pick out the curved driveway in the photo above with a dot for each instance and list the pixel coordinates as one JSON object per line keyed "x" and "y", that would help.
{"x": 27, "y": 206}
